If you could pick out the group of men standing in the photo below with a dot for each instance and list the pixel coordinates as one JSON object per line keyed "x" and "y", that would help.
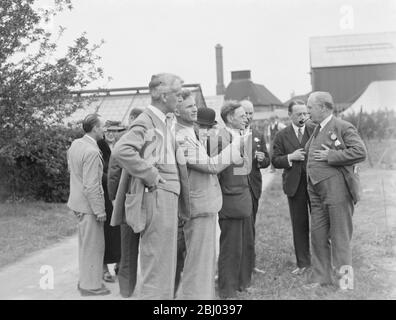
{"x": 174, "y": 180}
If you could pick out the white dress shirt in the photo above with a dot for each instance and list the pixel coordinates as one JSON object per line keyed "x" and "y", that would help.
{"x": 295, "y": 128}
{"x": 324, "y": 122}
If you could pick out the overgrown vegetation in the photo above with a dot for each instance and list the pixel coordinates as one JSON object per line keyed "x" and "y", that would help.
{"x": 35, "y": 85}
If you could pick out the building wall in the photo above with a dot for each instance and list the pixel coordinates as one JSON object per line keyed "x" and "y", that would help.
{"x": 346, "y": 82}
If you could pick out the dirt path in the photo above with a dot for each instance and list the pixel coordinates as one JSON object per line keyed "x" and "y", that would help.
{"x": 21, "y": 281}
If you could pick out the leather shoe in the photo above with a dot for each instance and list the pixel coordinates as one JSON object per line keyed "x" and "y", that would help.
{"x": 108, "y": 277}
{"x": 103, "y": 291}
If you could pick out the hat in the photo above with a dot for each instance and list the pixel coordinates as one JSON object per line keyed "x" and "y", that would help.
{"x": 206, "y": 116}
{"x": 114, "y": 126}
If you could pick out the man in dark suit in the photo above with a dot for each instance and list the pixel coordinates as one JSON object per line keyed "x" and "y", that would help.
{"x": 235, "y": 263}
{"x": 333, "y": 150}
{"x": 289, "y": 155}
{"x": 260, "y": 160}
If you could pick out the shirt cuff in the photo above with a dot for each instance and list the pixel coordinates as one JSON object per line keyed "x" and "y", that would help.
{"x": 288, "y": 160}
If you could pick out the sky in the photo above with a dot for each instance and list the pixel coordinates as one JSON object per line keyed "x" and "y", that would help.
{"x": 268, "y": 37}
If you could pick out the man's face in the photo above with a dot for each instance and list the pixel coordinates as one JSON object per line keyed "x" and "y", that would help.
{"x": 187, "y": 111}
{"x": 315, "y": 111}
{"x": 238, "y": 120}
{"x": 173, "y": 96}
{"x": 249, "y": 114}
{"x": 299, "y": 113}
{"x": 98, "y": 129}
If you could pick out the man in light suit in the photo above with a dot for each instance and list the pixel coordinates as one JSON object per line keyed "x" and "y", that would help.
{"x": 290, "y": 156}
{"x": 261, "y": 160}
{"x": 86, "y": 199}
{"x": 197, "y": 281}
{"x": 333, "y": 150}
{"x": 152, "y": 187}
{"x": 236, "y": 256}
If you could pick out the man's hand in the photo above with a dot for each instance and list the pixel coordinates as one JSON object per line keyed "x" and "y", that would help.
{"x": 297, "y": 155}
{"x": 157, "y": 181}
{"x": 322, "y": 155}
{"x": 260, "y": 156}
{"x": 101, "y": 218}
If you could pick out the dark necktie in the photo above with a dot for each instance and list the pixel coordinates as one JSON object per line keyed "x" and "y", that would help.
{"x": 299, "y": 135}
{"x": 317, "y": 129}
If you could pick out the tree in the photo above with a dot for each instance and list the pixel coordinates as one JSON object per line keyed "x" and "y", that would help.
{"x": 35, "y": 85}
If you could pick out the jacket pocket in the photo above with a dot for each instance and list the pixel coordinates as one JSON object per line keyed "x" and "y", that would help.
{"x": 135, "y": 214}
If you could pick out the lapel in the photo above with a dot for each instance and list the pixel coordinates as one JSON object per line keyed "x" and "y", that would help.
{"x": 94, "y": 144}
{"x": 307, "y": 134}
{"x": 291, "y": 136}
{"x": 157, "y": 123}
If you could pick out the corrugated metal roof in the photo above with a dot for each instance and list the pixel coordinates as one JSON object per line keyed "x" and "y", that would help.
{"x": 353, "y": 49}
{"x": 116, "y": 107}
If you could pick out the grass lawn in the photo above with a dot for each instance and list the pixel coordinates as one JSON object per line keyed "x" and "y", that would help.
{"x": 374, "y": 241}
{"x": 31, "y": 226}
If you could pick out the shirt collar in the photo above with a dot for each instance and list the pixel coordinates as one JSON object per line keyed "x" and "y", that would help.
{"x": 325, "y": 121}
{"x": 158, "y": 113}
{"x": 89, "y": 137}
{"x": 189, "y": 130}
{"x": 234, "y": 132}
{"x": 296, "y": 128}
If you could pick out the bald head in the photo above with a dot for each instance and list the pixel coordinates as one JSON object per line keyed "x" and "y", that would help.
{"x": 249, "y": 110}
{"x": 320, "y": 105}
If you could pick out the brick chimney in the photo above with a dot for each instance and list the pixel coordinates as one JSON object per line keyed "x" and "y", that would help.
{"x": 220, "y": 89}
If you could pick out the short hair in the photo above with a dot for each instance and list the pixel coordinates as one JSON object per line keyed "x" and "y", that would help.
{"x": 162, "y": 83}
{"x": 186, "y": 93}
{"x": 135, "y": 112}
{"x": 229, "y": 107}
{"x": 293, "y": 103}
{"x": 323, "y": 98}
{"x": 90, "y": 121}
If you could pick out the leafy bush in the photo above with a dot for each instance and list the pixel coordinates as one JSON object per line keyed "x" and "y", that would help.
{"x": 376, "y": 125}
{"x": 42, "y": 173}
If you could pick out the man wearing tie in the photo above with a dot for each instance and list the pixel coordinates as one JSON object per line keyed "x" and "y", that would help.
{"x": 235, "y": 217}
{"x": 197, "y": 281}
{"x": 333, "y": 150}
{"x": 289, "y": 155}
{"x": 156, "y": 186}
{"x": 261, "y": 160}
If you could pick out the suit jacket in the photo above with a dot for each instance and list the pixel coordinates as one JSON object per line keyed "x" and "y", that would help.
{"x": 234, "y": 183}
{"x": 205, "y": 192}
{"x": 286, "y": 142}
{"x": 346, "y": 150}
{"x": 138, "y": 152}
{"x": 86, "y": 170}
{"x": 255, "y": 178}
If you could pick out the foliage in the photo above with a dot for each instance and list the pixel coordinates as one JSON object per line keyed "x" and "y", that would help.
{"x": 376, "y": 125}
{"x": 35, "y": 94}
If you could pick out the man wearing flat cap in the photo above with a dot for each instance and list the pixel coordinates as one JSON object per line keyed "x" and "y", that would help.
{"x": 333, "y": 149}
